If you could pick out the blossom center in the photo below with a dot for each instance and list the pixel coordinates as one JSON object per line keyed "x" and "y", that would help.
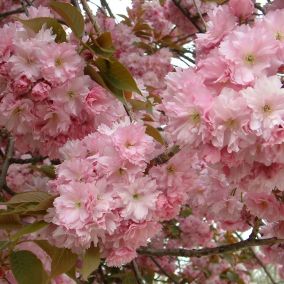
{"x": 71, "y": 94}
{"x": 128, "y": 144}
{"x": 29, "y": 61}
{"x": 267, "y": 109}
{"x": 170, "y": 169}
{"x": 279, "y": 36}
{"x": 135, "y": 196}
{"x": 250, "y": 59}
{"x": 231, "y": 123}
{"x": 58, "y": 62}
{"x": 195, "y": 117}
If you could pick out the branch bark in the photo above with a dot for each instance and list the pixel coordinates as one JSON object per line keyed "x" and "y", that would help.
{"x": 90, "y": 15}
{"x": 12, "y": 12}
{"x": 163, "y": 270}
{"x": 6, "y": 164}
{"x": 106, "y": 6}
{"x": 137, "y": 273}
{"x": 210, "y": 251}
{"x": 187, "y": 15}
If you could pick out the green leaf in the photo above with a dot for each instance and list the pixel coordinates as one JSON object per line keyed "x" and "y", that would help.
{"x": 71, "y": 16}
{"x": 4, "y": 244}
{"x": 98, "y": 77}
{"x": 27, "y": 268}
{"x": 91, "y": 261}
{"x": 30, "y": 196}
{"x": 153, "y": 132}
{"x": 105, "y": 41}
{"x": 62, "y": 259}
{"x": 36, "y": 24}
{"x": 10, "y": 222}
{"x": 138, "y": 105}
{"x": 185, "y": 212}
{"x": 116, "y": 75}
{"x": 47, "y": 170}
{"x": 31, "y": 228}
{"x": 90, "y": 70}
{"x": 129, "y": 278}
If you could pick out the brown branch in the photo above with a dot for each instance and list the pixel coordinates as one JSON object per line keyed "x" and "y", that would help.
{"x": 200, "y": 15}
{"x": 106, "y": 6}
{"x": 32, "y": 160}
{"x": 210, "y": 251}
{"x": 90, "y": 15}
{"x": 260, "y": 8}
{"x": 76, "y": 4}
{"x": 255, "y": 229}
{"x": 137, "y": 273}
{"x": 163, "y": 158}
{"x": 259, "y": 262}
{"x": 163, "y": 270}
{"x": 6, "y": 164}
{"x": 187, "y": 15}
{"x": 12, "y": 12}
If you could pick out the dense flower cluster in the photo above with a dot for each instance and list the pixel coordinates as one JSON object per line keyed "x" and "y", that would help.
{"x": 194, "y": 158}
{"x": 45, "y": 97}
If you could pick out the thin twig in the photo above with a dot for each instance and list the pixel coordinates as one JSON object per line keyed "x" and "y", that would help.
{"x": 106, "y": 6}
{"x": 260, "y": 8}
{"x": 12, "y": 12}
{"x": 187, "y": 15}
{"x": 6, "y": 163}
{"x": 76, "y": 4}
{"x": 210, "y": 251}
{"x": 259, "y": 262}
{"x": 163, "y": 270}
{"x": 162, "y": 158}
{"x": 137, "y": 273}
{"x": 200, "y": 15}
{"x": 90, "y": 15}
{"x": 25, "y": 7}
{"x": 255, "y": 229}
{"x": 32, "y": 160}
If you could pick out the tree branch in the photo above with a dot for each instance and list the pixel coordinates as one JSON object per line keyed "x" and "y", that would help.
{"x": 163, "y": 270}
{"x": 90, "y": 15}
{"x": 12, "y": 12}
{"x": 6, "y": 164}
{"x": 187, "y": 15}
{"x": 200, "y": 15}
{"x": 106, "y": 6}
{"x": 137, "y": 273}
{"x": 210, "y": 251}
{"x": 32, "y": 160}
{"x": 76, "y": 4}
{"x": 163, "y": 158}
{"x": 259, "y": 262}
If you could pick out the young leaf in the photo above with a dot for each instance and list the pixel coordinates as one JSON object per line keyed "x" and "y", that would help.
{"x": 30, "y": 196}
{"x": 36, "y": 24}
{"x": 117, "y": 75}
{"x": 71, "y": 16}
{"x": 31, "y": 228}
{"x": 62, "y": 259}
{"x": 91, "y": 261}
{"x": 152, "y": 131}
{"x": 27, "y": 268}
{"x": 10, "y": 222}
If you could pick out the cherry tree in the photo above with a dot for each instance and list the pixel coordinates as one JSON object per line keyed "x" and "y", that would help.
{"x": 120, "y": 166}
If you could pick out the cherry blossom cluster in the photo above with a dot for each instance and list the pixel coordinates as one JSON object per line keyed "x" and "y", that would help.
{"x": 230, "y": 111}
{"x": 218, "y": 169}
{"x": 104, "y": 198}
{"x": 45, "y": 97}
